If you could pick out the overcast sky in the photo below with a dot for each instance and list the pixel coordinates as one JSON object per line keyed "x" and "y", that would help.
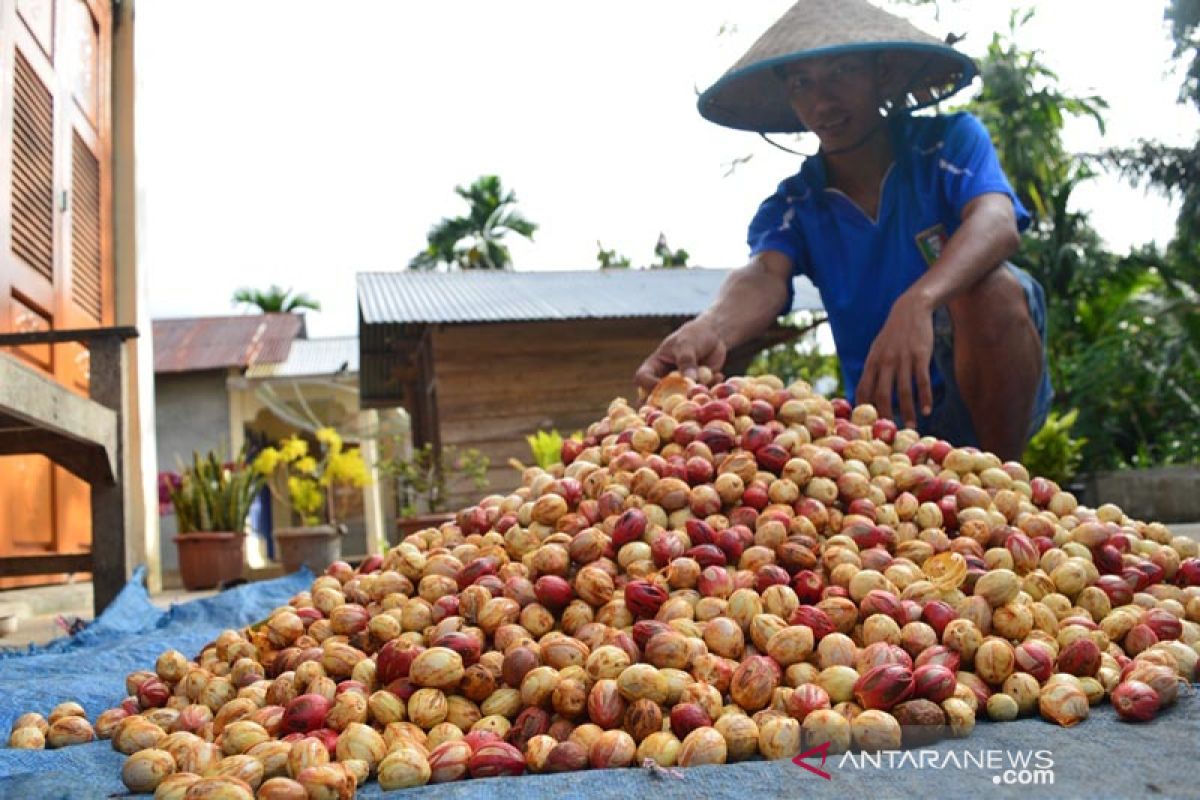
{"x": 298, "y": 142}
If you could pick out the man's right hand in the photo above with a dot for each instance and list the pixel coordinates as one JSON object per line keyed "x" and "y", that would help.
{"x": 746, "y": 306}
{"x": 697, "y": 343}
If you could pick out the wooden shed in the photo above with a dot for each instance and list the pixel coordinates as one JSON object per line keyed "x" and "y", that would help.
{"x": 482, "y": 359}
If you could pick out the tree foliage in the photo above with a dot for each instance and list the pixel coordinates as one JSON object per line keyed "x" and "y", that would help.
{"x": 1172, "y": 170}
{"x": 611, "y": 259}
{"x": 801, "y": 358}
{"x": 1124, "y": 337}
{"x": 1023, "y": 108}
{"x": 1025, "y": 111}
{"x": 1144, "y": 359}
{"x": 666, "y": 257}
{"x": 476, "y": 241}
{"x": 1184, "y": 16}
{"x": 275, "y": 300}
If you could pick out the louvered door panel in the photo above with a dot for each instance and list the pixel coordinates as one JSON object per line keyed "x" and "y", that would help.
{"x": 87, "y": 278}
{"x": 32, "y": 169}
{"x": 55, "y": 233}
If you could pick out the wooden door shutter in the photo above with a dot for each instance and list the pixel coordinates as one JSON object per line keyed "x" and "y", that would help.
{"x": 32, "y": 218}
{"x": 56, "y": 266}
{"x": 87, "y": 275}
{"x": 84, "y": 74}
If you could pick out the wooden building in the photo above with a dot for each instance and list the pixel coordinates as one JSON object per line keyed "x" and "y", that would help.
{"x": 482, "y": 359}
{"x": 68, "y": 249}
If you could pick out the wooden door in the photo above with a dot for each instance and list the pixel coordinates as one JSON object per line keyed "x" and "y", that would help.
{"x": 55, "y": 233}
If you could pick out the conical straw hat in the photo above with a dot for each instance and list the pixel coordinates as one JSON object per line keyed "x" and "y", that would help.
{"x": 751, "y": 96}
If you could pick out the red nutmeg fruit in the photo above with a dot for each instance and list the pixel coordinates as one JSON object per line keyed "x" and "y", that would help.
{"x": 1135, "y": 701}
{"x": 884, "y": 686}
{"x": 643, "y": 598}
{"x": 306, "y": 713}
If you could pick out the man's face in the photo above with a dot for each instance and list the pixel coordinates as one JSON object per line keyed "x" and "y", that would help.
{"x": 836, "y": 97}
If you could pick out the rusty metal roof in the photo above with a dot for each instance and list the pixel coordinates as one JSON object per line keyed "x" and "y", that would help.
{"x": 313, "y": 358}
{"x": 201, "y": 343}
{"x": 484, "y": 296}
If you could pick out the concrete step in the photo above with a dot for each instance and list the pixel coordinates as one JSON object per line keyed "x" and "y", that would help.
{"x": 1190, "y": 529}
{"x": 39, "y": 600}
{"x": 36, "y": 608}
{"x": 171, "y": 579}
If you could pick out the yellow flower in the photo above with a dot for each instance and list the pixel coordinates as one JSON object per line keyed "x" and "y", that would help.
{"x": 307, "y": 465}
{"x": 330, "y": 438}
{"x": 266, "y": 461}
{"x": 293, "y": 448}
{"x": 307, "y": 498}
{"x": 346, "y": 468}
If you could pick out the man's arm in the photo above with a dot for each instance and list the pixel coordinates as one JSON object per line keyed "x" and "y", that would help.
{"x": 745, "y": 307}
{"x": 987, "y": 238}
{"x": 901, "y": 352}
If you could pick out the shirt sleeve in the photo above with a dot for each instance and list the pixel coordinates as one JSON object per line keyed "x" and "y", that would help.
{"x": 969, "y": 167}
{"x": 774, "y": 227}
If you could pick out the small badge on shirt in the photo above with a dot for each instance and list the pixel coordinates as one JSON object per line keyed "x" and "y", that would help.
{"x": 931, "y": 241}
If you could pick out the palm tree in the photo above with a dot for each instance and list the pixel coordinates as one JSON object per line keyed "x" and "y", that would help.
{"x": 275, "y": 300}
{"x": 475, "y": 241}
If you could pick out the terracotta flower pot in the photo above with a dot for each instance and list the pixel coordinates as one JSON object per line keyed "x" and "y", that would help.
{"x": 316, "y": 546}
{"x": 210, "y": 558}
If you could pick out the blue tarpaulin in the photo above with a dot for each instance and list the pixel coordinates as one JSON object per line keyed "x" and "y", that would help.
{"x": 1026, "y": 759}
{"x": 90, "y": 668}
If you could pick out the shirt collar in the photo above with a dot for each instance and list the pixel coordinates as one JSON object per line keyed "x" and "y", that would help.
{"x": 813, "y": 170}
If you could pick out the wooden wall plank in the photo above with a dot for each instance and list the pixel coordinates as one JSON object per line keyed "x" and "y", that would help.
{"x": 499, "y": 383}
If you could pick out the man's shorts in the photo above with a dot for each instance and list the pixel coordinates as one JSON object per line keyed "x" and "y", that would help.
{"x": 950, "y": 419}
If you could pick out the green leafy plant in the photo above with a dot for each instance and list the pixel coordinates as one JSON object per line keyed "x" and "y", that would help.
{"x": 668, "y": 258}
{"x": 214, "y": 496}
{"x": 422, "y": 477}
{"x": 801, "y": 357}
{"x": 610, "y": 259}
{"x": 547, "y": 446}
{"x": 1053, "y": 452}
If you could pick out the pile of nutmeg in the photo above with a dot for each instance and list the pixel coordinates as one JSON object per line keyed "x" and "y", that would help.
{"x": 725, "y": 572}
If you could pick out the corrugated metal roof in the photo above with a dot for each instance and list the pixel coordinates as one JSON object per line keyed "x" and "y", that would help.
{"x": 310, "y": 358}
{"x": 414, "y": 296}
{"x": 200, "y": 343}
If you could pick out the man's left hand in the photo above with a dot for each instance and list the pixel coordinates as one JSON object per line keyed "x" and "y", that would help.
{"x": 899, "y": 358}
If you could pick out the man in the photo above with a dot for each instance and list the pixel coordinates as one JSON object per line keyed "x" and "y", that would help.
{"x": 904, "y": 224}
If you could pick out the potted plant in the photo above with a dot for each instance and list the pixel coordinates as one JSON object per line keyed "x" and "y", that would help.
{"x": 421, "y": 479}
{"x": 308, "y": 484}
{"x": 211, "y": 501}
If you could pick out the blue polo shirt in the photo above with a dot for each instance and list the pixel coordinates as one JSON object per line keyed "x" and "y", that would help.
{"x": 862, "y": 265}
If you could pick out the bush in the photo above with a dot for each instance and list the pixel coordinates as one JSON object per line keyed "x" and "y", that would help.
{"x": 1052, "y": 452}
